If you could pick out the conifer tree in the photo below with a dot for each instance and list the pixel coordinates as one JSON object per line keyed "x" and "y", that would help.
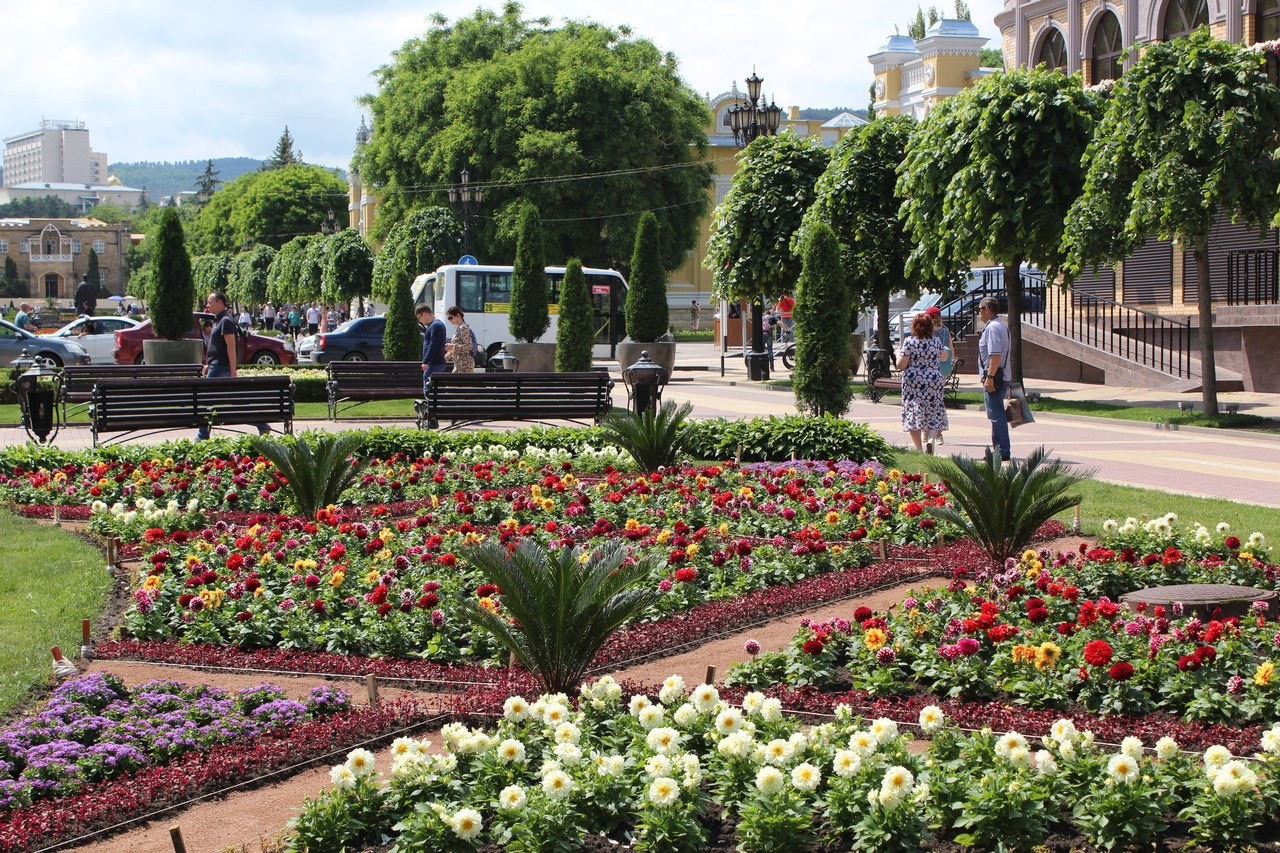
{"x": 284, "y": 155}
{"x": 822, "y": 320}
{"x": 574, "y": 335}
{"x": 529, "y": 316}
{"x": 648, "y": 316}
{"x": 402, "y": 337}
{"x": 172, "y": 293}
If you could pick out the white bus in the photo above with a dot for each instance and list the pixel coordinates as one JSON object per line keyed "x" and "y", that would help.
{"x": 484, "y": 295}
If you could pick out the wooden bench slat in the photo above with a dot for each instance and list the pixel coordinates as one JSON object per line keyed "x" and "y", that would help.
{"x": 517, "y": 397}
{"x": 124, "y": 406}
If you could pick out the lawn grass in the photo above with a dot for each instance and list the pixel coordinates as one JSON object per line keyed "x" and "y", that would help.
{"x": 50, "y": 580}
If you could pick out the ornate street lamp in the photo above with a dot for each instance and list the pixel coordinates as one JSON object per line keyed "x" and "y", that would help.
{"x": 750, "y": 120}
{"x": 329, "y": 226}
{"x": 465, "y": 199}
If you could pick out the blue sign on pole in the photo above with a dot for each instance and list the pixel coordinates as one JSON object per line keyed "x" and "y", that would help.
{"x": 468, "y": 260}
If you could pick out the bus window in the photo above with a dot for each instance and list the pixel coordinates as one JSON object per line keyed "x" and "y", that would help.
{"x": 497, "y": 289}
{"x": 470, "y": 292}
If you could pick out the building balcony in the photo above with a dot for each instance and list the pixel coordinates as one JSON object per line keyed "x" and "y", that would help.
{"x": 51, "y": 259}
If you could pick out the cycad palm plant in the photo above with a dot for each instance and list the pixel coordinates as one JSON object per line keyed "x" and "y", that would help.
{"x": 656, "y": 438}
{"x": 559, "y": 608}
{"x": 317, "y": 469}
{"x": 1001, "y": 506}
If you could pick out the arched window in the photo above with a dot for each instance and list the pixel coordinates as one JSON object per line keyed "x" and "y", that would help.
{"x": 1268, "y": 24}
{"x": 1183, "y": 17}
{"x": 1108, "y": 45}
{"x": 1053, "y": 51}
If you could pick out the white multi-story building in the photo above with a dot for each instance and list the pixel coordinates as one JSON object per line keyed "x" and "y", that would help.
{"x": 56, "y": 152}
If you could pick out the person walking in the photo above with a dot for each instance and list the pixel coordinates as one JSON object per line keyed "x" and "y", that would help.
{"x": 946, "y": 365}
{"x": 86, "y": 297}
{"x": 313, "y": 319}
{"x": 220, "y": 355}
{"x": 433, "y": 344}
{"x": 922, "y": 409}
{"x": 295, "y": 321}
{"x": 785, "y": 306}
{"x": 461, "y": 349}
{"x": 993, "y": 367}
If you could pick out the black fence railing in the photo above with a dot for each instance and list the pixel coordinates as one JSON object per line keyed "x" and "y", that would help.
{"x": 1159, "y": 342}
{"x": 960, "y": 315}
{"x": 1253, "y": 277}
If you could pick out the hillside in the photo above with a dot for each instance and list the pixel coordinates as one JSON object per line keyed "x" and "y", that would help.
{"x": 167, "y": 179}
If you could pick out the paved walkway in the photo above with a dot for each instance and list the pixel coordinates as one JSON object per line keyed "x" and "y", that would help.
{"x": 1209, "y": 463}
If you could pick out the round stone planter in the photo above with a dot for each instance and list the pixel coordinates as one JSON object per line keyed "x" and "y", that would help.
{"x": 160, "y": 351}
{"x": 1202, "y": 599}
{"x": 661, "y": 352}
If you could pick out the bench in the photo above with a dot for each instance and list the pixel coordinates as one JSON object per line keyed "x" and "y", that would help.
{"x": 78, "y": 379}
{"x": 356, "y": 382}
{"x": 882, "y": 385}
{"x": 127, "y": 407}
{"x": 468, "y": 398}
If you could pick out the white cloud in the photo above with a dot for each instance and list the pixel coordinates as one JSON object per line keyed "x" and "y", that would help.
{"x": 172, "y": 81}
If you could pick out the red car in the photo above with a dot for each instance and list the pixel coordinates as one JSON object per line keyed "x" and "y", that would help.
{"x": 253, "y": 349}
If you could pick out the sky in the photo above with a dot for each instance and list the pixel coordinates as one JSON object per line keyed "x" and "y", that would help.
{"x": 162, "y": 80}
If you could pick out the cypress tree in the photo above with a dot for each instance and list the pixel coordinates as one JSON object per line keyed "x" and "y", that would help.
{"x": 575, "y": 334}
{"x": 529, "y": 316}
{"x": 94, "y": 276}
{"x": 172, "y": 294}
{"x": 822, "y": 328}
{"x": 402, "y": 337}
{"x": 646, "y": 311}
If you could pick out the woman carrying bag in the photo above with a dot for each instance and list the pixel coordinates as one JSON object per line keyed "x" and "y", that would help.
{"x": 462, "y": 347}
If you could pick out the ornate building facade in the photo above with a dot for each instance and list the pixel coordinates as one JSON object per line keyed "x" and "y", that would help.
{"x": 52, "y": 254}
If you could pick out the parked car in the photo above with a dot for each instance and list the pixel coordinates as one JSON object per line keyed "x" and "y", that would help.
{"x": 900, "y": 323}
{"x": 355, "y": 340}
{"x": 99, "y": 338}
{"x": 14, "y": 340}
{"x": 252, "y": 349}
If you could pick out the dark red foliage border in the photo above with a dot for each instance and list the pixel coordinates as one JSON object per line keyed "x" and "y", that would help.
{"x": 154, "y": 789}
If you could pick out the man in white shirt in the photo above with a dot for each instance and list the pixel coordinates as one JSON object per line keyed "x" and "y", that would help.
{"x": 993, "y": 366}
{"x": 313, "y": 319}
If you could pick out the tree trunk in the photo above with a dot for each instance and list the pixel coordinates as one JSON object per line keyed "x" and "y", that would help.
{"x": 1013, "y": 289}
{"x": 882, "y": 323}
{"x": 1204, "y": 302}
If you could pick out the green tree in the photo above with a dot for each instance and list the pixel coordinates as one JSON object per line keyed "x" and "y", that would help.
{"x": 857, "y": 196}
{"x": 647, "y": 314}
{"x": 285, "y": 273}
{"x": 991, "y": 57}
{"x": 991, "y": 173}
{"x": 93, "y": 273}
{"x": 284, "y": 155}
{"x": 583, "y": 121}
{"x": 310, "y": 283}
{"x": 402, "y": 336}
{"x": 347, "y": 268}
{"x": 207, "y": 183}
{"x": 110, "y": 213}
{"x": 559, "y": 607}
{"x": 426, "y": 239}
{"x": 211, "y": 272}
{"x": 249, "y": 275}
{"x": 750, "y": 252}
{"x": 1189, "y": 133}
{"x": 46, "y": 207}
{"x": 11, "y": 285}
{"x": 530, "y": 311}
{"x": 269, "y": 207}
{"x": 172, "y": 294}
{"x": 574, "y": 334}
{"x": 822, "y": 313}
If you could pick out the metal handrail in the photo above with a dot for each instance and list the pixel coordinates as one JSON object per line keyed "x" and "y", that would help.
{"x": 1253, "y": 277}
{"x": 1146, "y": 338}
{"x": 963, "y": 322}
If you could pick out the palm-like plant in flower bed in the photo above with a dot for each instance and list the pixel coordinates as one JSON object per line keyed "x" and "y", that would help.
{"x": 1029, "y": 635}
{"x": 560, "y": 606}
{"x": 317, "y": 468}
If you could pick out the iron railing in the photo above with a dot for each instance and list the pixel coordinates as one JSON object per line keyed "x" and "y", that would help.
{"x": 1159, "y": 342}
{"x": 1252, "y": 277}
{"x": 960, "y": 315}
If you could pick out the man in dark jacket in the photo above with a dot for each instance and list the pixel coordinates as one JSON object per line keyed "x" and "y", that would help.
{"x": 86, "y": 297}
{"x": 433, "y": 340}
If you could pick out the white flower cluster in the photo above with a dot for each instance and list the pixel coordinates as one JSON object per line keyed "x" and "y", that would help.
{"x": 146, "y": 509}
{"x": 1230, "y": 776}
{"x": 587, "y": 457}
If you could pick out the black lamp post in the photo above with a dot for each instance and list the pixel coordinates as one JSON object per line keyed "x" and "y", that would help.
{"x": 465, "y": 198}
{"x": 329, "y": 226}
{"x": 752, "y": 119}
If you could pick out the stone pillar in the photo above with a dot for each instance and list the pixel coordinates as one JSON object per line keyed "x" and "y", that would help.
{"x": 1075, "y": 37}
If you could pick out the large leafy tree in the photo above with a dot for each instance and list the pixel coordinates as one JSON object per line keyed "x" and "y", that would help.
{"x": 1190, "y": 131}
{"x": 750, "y": 252}
{"x": 422, "y": 241}
{"x": 991, "y": 172}
{"x": 346, "y": 268}
{"x": 857, "y": 196}
{"x": 586, "y": 122}
{"x": 270, "y": 207}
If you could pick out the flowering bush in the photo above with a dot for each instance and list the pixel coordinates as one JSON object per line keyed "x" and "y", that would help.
{"x": 554, "y": 771}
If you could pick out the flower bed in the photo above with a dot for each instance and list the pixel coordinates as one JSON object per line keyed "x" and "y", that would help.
{"x": 99, "y": 753}
{"x": 644, "y": 772}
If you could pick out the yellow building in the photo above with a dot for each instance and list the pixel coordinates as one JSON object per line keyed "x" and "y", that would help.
{"x": 52, "y": 254}
{"x": 914, "y": 76}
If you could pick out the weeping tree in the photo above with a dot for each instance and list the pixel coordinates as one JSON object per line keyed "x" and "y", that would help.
{"x": 1189, "y": 134}
{"x": 346, "y": 268}
{"x": 248, "y": 273}
{"x": 574, "y": 334}
{"x": 285, "y": 274}
{"x": 530, "y": 309}
{"x": 822, "y": 313}
{"x": 211, "y": 272}
{"x": 424, "y": 240}
{"x": 558, "y": 608}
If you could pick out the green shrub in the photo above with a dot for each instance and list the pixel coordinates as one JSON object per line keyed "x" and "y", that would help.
{"x": 530, "y": 311}
{"x": 822, "y": 328}
{"x": 778, "y": 438}
{"x": 655, "y": 439}
{"x": 574, "y": 335}
{"x": 647, "y": 313}
{"x": 172, "y": 297}
{"x": 402, "y": 335}
{"x": 318, "y": 467}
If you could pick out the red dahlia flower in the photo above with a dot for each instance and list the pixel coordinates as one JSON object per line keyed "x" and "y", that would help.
{"x": 1121, "y": 671}
{"x": 1097, "y": 653}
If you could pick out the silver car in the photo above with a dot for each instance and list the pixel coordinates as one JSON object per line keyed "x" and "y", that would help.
{"x": 58, "y": 350}
{"x": 95, "y": 334}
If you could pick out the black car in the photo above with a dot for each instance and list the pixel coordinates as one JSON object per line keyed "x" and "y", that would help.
{"x": 355, "y": 340}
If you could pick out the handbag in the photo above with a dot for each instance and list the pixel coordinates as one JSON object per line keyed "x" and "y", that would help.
{"x": 1016, "y": 409}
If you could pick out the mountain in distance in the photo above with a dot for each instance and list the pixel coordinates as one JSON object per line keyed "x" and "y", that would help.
{"x": 169, "y": 179}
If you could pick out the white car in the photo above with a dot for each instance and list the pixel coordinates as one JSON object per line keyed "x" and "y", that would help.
{"x": 99, "y": 338}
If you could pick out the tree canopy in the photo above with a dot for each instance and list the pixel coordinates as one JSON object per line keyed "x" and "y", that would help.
{"x": 347, "y": 267}
{"x": 421, "y": 242}
{"x": 270, "y": 207}
{"x": 991, "y": 173}
{"x": 587, "y": 123}
{"x": 750, "y": 252}
{"x": 1189, "y": 133}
